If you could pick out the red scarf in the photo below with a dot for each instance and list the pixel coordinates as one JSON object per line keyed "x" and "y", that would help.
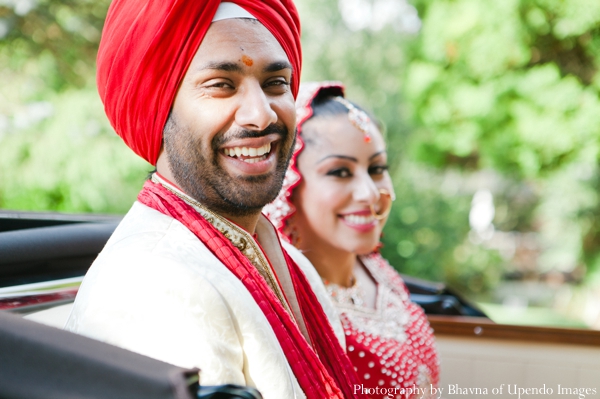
{"x": 322, "y": 372}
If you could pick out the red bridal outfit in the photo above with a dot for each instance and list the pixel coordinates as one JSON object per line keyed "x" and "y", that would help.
{"x": 392, "y": 346}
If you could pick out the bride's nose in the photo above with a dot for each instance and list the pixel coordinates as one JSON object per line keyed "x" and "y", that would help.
{"x": 365, "y": 190}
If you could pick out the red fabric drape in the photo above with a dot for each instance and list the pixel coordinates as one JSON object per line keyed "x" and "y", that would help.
{"x": 322, "y": 372}
{"x": 146, "y": 48}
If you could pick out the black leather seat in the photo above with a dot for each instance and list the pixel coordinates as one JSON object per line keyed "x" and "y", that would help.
{"x": 37, "y": 361}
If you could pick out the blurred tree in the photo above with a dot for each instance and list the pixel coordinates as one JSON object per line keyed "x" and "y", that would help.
{"x": 58, "y": 149}
{"x": 71, "y": 161}
{"x": 514, "y": 86}
{"x": 508, "y": 85}
{"x": 57, "y": 40}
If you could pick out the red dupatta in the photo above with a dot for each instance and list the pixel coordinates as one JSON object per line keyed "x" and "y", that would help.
{"x": 322, "y": 372}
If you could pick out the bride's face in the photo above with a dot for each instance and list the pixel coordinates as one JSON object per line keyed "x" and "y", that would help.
{"x": 342, "y": 176}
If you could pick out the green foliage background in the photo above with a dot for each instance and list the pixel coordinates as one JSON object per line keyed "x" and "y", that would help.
{"x": 58, "y": 151}
{"x": 496, "y": 95}
{"x": 489, "y": 95}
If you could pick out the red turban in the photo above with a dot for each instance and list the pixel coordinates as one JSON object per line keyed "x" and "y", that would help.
{"x": 146, "y": 48}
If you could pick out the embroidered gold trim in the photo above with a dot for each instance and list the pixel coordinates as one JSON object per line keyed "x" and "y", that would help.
{"x": 241, "y": 239}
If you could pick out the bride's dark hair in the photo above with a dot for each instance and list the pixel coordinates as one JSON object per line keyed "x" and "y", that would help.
{"x": 324, "y": 105}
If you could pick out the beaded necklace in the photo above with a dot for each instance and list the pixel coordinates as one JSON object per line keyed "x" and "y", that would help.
{"x": 353, "y": 295}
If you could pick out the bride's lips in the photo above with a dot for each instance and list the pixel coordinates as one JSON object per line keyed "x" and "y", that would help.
{"x": 251, "y": 156}
{"x": 361, "y": 221}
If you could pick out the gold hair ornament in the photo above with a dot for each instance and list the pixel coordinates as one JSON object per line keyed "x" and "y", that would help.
{"x": 357, "y": 117}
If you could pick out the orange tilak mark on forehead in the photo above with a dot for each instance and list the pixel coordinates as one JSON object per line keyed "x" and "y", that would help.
{"x": 247, "y": 60}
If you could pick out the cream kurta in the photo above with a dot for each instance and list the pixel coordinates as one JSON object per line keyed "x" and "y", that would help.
{"x": 157, "y": 290}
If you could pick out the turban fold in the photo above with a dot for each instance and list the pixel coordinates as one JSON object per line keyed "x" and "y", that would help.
{"x": 145, "y": 51}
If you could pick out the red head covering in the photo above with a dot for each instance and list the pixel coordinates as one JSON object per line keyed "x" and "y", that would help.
{"x": 146, "y": 48}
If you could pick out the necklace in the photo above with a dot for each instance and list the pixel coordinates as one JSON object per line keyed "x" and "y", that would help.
{"x": 239, "y": 238}
{"x": 352, "y": 295}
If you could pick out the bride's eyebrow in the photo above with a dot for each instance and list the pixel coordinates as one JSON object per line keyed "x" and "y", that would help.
{"x": 376, "y": 154}
{"x": 352, "y": 159}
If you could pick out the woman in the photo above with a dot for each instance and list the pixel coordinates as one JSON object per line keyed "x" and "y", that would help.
{"x": 334, "y": 203}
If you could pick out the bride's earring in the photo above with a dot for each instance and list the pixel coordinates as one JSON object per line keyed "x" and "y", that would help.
{"x": 291, "y": 231}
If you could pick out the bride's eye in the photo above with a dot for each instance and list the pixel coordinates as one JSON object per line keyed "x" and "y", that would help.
{"x": 377, "y": 169}
{"x": 341, "y": 172}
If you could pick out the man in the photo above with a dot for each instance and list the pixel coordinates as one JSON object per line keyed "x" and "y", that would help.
{"x": 195, "y": 275}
